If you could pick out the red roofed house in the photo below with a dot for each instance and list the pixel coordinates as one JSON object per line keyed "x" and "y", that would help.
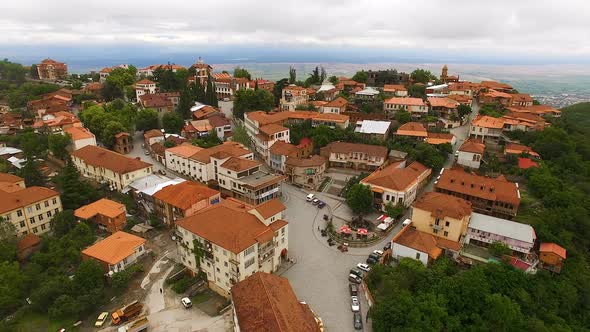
{"x": 116, "y": 252}
{"x": 414, "y": 106}
{"x": 492, "y": 96}
{"x": 471, "y": 153}
{"x": 109, "y": 215}
{"x": 52, "y": 70}
{"x": 446, "y": 110}
{"x": 123, "y": 143}
{"x": 337, "y": 106}
{"x": 181, "y": 200}
{"x": 266, "y": 302}
{"x": 421, "y": 246}
{"x": 160, "y": 102}
{"x": 397, "y": 183}
{"x": 518, "y": 149}
{"x": 412, "y": 129}
{"x": 144, "y": 87}
{"x": 81, "y": 137}
{"x": 521, "y": 99}
{"x": 395, "y": 90}
{"x": 552, "y": 257}
{"x": 293, "y": 96}
{"x": 526, "y": 163}
{"x": 442, "y": 215}
{"x": 236, "y": 240}
{"x": 486, "y": 128}
{"x": 27, "y": 245}
{"x": 354, "y": 155}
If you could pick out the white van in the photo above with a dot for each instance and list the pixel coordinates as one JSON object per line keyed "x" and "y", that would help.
{"x": 406, "y": 222}
{"x": 310, "y": 197}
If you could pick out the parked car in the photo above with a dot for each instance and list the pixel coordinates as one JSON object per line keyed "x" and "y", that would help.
{"x": 310, "y": 197}
{"x": 186, "y": 302}
{"x": 354, "y": 278}
{"x": 354, "y": 290}
{"x": 355, "y": 305}
{"x": 363, "y": 267}
{"x": 101, "y": 319}
{"x": 315, "y": 201}
{"x": 387, "y": 246}
{"x": 146, "y": 152}
{"x": 321, "y": 204}
{"x": 406, "y": 222}
{"x": 356, "y": 272}
{"x": 358, "y": 321}
{"x": 378, "y": 252}
{"x": 371, "y": 261}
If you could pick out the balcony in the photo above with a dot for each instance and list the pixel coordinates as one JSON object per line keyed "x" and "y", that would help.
{"x": 437, "y": 227}
{"x": 233, "y": 261}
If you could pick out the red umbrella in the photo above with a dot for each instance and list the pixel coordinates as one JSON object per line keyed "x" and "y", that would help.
{"x": 344, "y": 229}
{"x": 362, "y": 231}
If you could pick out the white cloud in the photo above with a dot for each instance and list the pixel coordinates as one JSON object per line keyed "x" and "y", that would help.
{"x": 518, "y": 27}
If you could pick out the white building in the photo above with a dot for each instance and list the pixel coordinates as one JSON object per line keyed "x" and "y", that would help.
{"x": 177, "y": 158}
{"x": 470, "y": 154}
{"x": 484, "y": 230}
{"x": 81, "y": 137}
{"x": 233, "y": 241}
{"x": 144, "y": 87}
{"x": 414, "y": 106}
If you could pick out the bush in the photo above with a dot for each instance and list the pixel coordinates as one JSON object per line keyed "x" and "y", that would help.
{"x": 120, "y": 280}
{"x": 183, "y": 284}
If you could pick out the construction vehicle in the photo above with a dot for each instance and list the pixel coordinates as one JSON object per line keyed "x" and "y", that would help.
{"x": 127, "y": 312}
{"x": 138, "y": 325}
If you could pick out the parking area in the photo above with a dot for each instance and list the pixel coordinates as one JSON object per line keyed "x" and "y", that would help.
{"x": 320, "y": 275}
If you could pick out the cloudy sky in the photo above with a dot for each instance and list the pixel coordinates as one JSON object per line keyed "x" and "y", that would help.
{"x": 503, "y": 27}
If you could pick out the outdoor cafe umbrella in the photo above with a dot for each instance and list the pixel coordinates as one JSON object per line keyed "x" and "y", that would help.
{"x": 344, "y": 229}
{"x": 362, "y": 231}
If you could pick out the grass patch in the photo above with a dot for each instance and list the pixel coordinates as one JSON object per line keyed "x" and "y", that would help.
{"x": 36, "y": 322}
{"x": 202, "y": 297}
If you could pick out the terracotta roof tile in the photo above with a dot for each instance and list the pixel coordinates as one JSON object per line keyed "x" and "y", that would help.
{"x": 227, "y": 224}
{"x": 9, "y": 178}
{"x": 272, "y": 129}
{"x": 338, "y": 102}
{"x": 398, "y": 179}
{"x": 488, "y": 122}
{"x": 145, "y": 81}
{"x": 114, "y": 248}
{"x": 526, "y": 163}
{"x": 313, "y": 161}
{"x": 116, "y": 162}
{"x": 554, "y": 248}
{"x": 239, "y": 164}
{"x": 442, "y": 205}
{"x": 283, "y": 148}
{"x": 28, "y": 241}
{"x": 407, "y": 101}
{"x": 513, "y": 148}
{"x": 20, "y": 198}
{"x": 105, "y": 207}
{"x": 232, "y": 149}
{"x": 394, "y": 87}
{"x": 495, "y": 85}
{"x": 266, "y": 302}
{"x": 185, "y": 194}
{"x": 343, "y": 147}
{"x": 412, "y": 129}
{"x": 270, "y": 208}
{"x": 78, "y": 133}
{"x": 334, "y": 117}
{"x": 473, "y": 146}
{"x": 498, "y": 189}
{"x": 153, "y": 133}
{"x": 184, "y": 150}
{"x": 442, "y": 102}
{"x": 439, "y": 138}
{"x": 420, "y": 241}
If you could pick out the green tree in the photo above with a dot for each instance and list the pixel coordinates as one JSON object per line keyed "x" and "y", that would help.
{"x": 58, "y": 144}
{"x": 292, "y": 75}
{"x": 74, "y": 193}
{"x": 360, "y": 199}
{"x": 186, "y": 101}
{"x": 8, "y": 241}
{"x": 394, "y": 211}
{"x": 89, "y": 275}
{"x": 242, "y": 73}
{"x": 333, "y": 79}
{"x": 172, "y": 122}
{"x": 463, "y": 110}
{"x": 417, "y": 91}
{"x": 31, "y": 173}
{"x": 278, "y": 90}
{"x": 241, "y": 136}
{"x": 146, "y": 119}
{"x": 251, "y": 100}
{"x": 110, "y": 91}
{"x": 422, "y": 76}
{"x": 402, "y": 116}
{"x": 33, "y": 73}
{"x": 209, "y": 140}
{"x": 499, "y": 249}
{"x": 360, "y": 76}
{"x": 111, "y": 129}
{"x": 63, "y": 222}
{"x": 12, "y": 287}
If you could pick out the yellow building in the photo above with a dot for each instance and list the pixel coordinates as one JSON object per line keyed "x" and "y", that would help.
{"x": 104, "y": 165}
{"x": 442, "y": 215}
{"x": 28, "y": 209}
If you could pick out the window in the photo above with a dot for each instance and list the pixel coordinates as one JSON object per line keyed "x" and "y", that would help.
{"x": 43, "y": 227}
{"x": 40, "y": 217}
{"x": 38, "y": 207}
{"x": 249, "y": 262}
{"x": 225, "y": 264}
{"x": 48, "y": 214}
{"x": 29, "y": 209}
{"x": 56, "y": 210}
{"x": 55, "y": 201}
{"x": 283, "y": 231}
{"x": 447, "y": 224}
{"x": 124, "y": 260}
{"x": 32, "y": 220}
{"x": 417, "y": 255}
{"x": 446, "y": 233}
{"x": 35, "y": 230}
{"x": 217, "y": 270}
{"x": 19, "y": 213}
{"x": 46, "y": 203}
{"x": 435, "y": 231}
{"x": 437, "y": 221}
{"x": 248, "y": 251}
{"x": 22, "y": 224}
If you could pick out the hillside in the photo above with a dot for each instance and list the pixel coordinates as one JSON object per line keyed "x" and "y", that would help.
{"x": 577, "y": 117}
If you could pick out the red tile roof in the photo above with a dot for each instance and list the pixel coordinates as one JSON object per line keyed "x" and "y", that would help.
{"x": 554, "y": 248}
{"x": 416, "y": 129}
{"x": 104, "y": 206}
{"x": 239, "y": 164}
{"x": 526, "y": 163}
{"x": 395, "y": 178}
{"x": 270, "y": 208}
{"x": 343, "y": 147}
{"x": 114, "y": 248}
{"x": 406, "y": 101}
{"x": 338, "y": 102}
{"x": 28, "y": 241}
{"x": 13, "y": 200}
{"x": 116, "y": 162}
{"x": 443, "y": 205}
{"x": 185, "y": 194}
{"x": 473, "y": 146}
{"x": 266, "y": 302}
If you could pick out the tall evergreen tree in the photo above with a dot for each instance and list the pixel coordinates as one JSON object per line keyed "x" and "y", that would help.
{"x": 74, "y": 191}
{"x": 185, "y": 102}
{"x": 292, "y": 75}
{"x": 31, "y": 173}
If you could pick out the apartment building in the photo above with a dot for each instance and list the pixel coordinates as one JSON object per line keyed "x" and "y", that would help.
{"x": 278, "y": 154}
{"x": 331, "y": 120}
{"x": 245, "y": 180}
{"x": 486, "y": 128}
{"x": 204, "y": 165}
{"x": 442, "y": 215}
{"x": 306, "y": 172}
{"x": 414, "y": 106}
{"x": 470, "y": 154}
{"x": 144, "y": 87}
{"x": 353, "y": 155}
{"x": 109, "y": 215}
{"x": 269, "y": 135}
{"x": 493, "y": 196}
{"x": 110, "y": 167}
{"x": 397, "y": 183}
{"x": 177, "y": 157}
{"x": 293, "y": 96}
{"x": 116, "y": 252}
{"x": 233, "y": 240}
{"x": 52, "y": 70}
{"x": 276, "y": 304}
{"x": 176, "y": 201}
{"x": 29, "y": 209}
{"x": 446, "y": 110}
